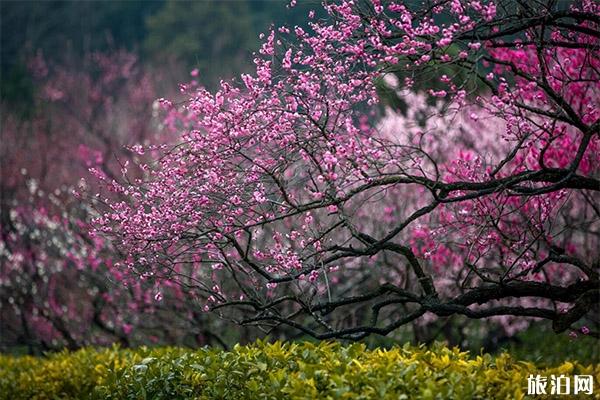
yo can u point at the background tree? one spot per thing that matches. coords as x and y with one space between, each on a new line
216 38
65 31
57 283
209 35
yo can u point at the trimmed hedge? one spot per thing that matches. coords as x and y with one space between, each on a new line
326 370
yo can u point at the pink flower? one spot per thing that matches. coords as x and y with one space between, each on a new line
287 63
585 330
127 328
259 197
573 335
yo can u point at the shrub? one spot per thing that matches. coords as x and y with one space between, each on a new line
327 370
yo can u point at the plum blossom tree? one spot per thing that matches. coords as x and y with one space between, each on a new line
290 200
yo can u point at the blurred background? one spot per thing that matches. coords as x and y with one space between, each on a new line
79 82
217 37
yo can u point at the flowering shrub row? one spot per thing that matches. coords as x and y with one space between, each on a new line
275 371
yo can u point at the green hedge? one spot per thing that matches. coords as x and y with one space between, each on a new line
274 371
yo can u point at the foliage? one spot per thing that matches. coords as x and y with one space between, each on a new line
273 371
194 32
64 30
190 31
538 345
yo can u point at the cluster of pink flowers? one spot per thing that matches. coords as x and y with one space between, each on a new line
291 169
